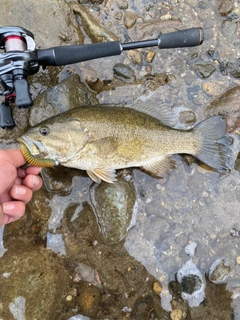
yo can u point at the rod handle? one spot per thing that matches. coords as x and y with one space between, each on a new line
63 55
183 38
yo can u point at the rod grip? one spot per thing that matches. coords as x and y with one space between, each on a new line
63 55
184 38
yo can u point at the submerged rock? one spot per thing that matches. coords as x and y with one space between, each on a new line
68 94
227 105
192 283
135 56
95 31
123 72
114 206
204 70
225 7
89 300
233 68
37 275
152 28
129 19
219 271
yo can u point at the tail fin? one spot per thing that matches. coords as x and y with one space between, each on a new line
215 150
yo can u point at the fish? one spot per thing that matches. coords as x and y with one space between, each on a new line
102 139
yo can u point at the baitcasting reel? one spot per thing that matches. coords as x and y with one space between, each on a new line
20 59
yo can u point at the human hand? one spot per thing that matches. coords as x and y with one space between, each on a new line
16 185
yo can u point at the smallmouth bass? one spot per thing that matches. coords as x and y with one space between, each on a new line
101 139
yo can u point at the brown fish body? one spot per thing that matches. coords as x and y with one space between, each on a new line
100 139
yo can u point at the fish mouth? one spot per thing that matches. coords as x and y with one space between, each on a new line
32 150
35 147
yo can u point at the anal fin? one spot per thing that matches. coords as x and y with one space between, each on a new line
107 175
160 168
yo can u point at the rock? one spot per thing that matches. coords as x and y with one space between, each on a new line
229 28
122 4
97 2
89 300
150 55
234 68
95 31
68 94
191 248
37 275
192 283
64 29
124 72
176 314
204 70
79 317
118 16
150 29
187 117
212 89
59 179
129 19
227 105
135 56
157 287
219 271
225 7
114 208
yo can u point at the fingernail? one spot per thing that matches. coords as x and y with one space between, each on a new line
35 180
20 190
8 207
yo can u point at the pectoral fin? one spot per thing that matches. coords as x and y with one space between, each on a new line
107 175
160 168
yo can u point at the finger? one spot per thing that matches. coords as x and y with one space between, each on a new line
33 182
11 211
18 181
20 192
14 156
21 173
33 170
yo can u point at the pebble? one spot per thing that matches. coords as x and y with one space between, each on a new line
219 271
89 300
150 55
191 248
204 70
176 314
225 7
212 89
69 297
157 287
187 117
238 260
123 72
122 4
118 16
135 56
129 19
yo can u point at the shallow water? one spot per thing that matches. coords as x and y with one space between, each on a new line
55 262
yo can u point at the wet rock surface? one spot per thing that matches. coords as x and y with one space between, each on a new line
192 205
115 208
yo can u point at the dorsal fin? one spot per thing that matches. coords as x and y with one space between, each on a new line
162 112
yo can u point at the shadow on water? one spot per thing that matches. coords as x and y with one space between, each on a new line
141 248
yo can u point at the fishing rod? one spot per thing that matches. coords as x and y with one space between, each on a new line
20 59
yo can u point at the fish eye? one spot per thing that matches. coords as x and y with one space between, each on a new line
44 131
